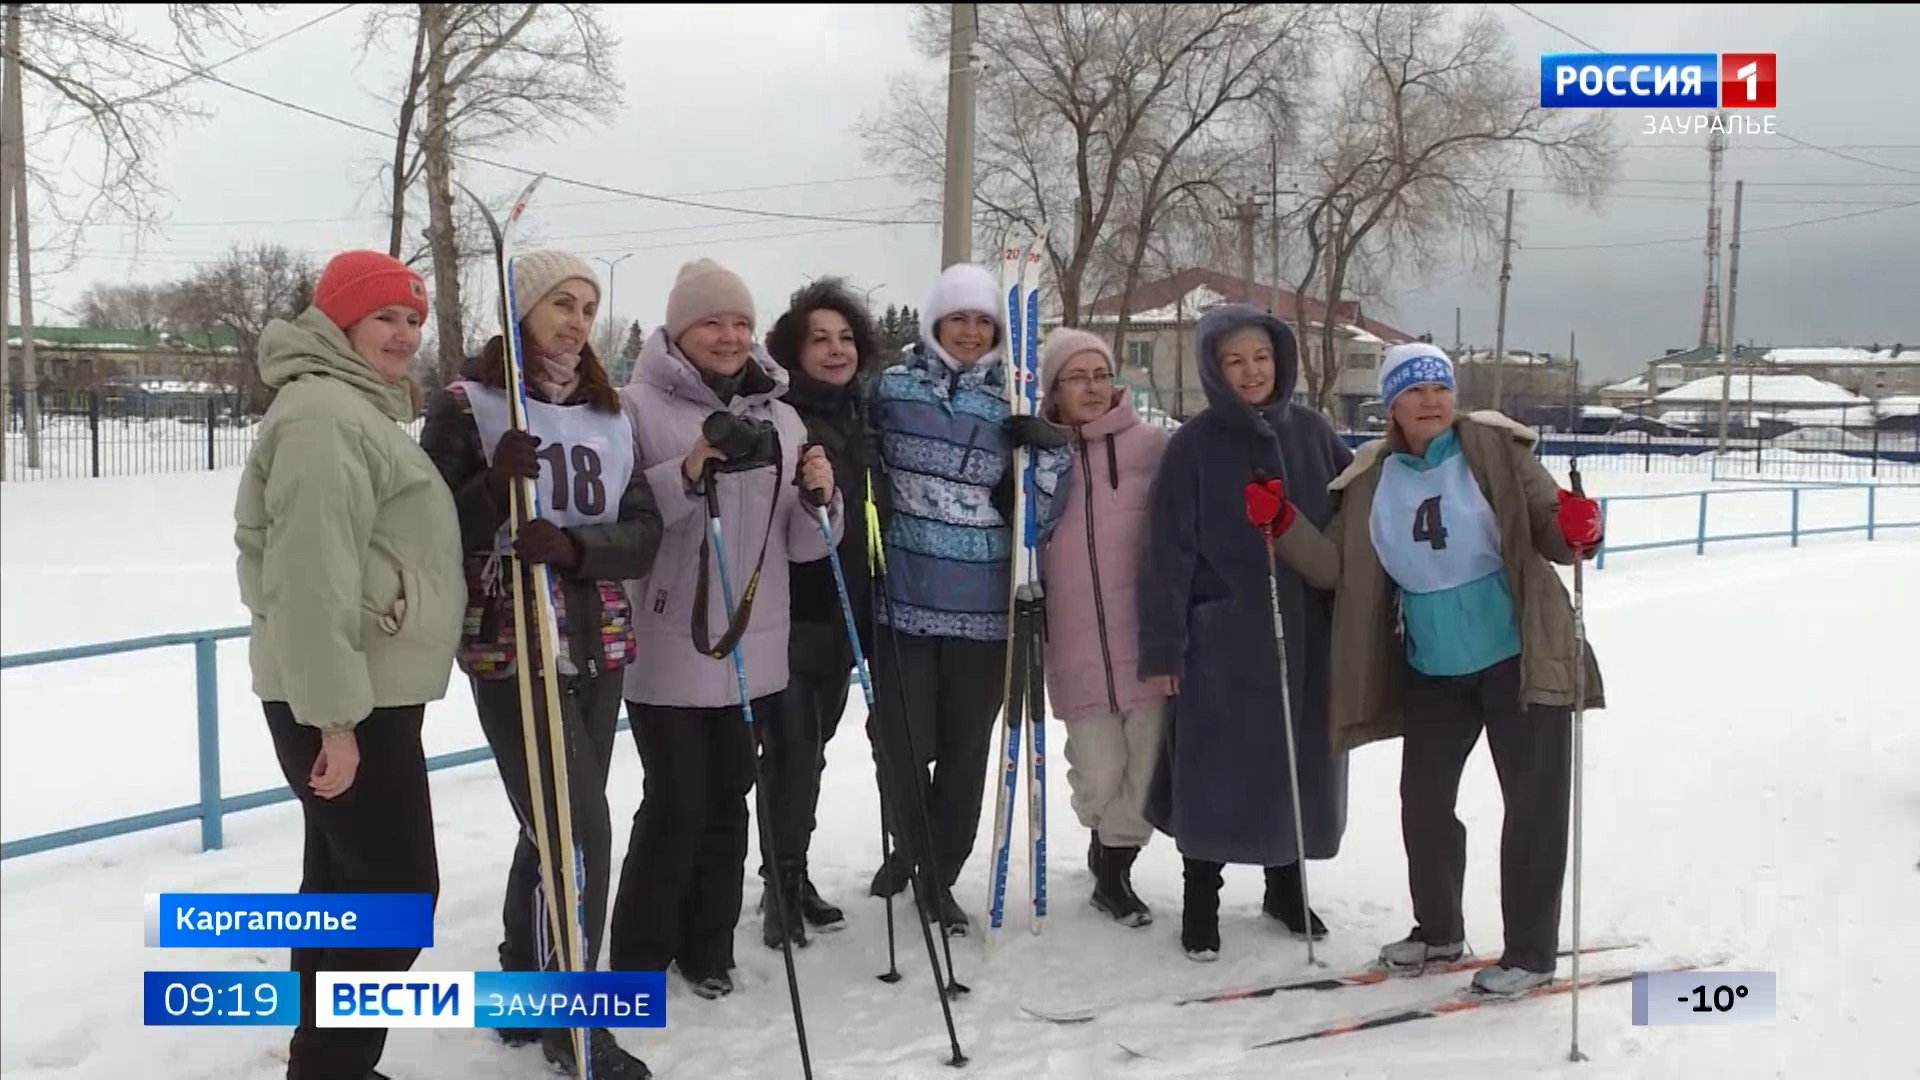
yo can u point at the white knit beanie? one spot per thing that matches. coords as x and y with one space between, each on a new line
963 287
538 273
1410 365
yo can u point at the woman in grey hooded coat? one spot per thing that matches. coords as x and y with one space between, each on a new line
1206 628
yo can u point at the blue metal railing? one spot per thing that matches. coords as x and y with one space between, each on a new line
213 806
1872 526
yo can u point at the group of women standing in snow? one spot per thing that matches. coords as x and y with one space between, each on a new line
1410 584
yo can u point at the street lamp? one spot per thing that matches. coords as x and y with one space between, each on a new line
612 345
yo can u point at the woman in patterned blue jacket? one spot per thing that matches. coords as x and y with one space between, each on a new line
944 492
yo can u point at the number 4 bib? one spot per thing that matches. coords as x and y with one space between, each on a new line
1433 530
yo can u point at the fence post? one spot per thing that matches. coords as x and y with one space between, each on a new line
212 408
206 678
93 430
1700 538
1870 490
1796 517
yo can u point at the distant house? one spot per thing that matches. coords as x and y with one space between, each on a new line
1159 346
1873 372
72 358
1768 404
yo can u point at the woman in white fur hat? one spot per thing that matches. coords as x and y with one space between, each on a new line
599 526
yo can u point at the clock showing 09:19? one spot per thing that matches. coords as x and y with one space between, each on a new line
222 998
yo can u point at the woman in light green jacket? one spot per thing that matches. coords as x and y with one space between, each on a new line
350 563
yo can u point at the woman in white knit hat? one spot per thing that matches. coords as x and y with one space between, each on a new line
598 527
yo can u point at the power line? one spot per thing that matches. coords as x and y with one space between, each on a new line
1830 151
183 80
1744 232
557 178
381 214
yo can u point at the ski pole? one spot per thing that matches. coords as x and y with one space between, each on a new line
866 689
921 873
759 771
1286 716
1579 708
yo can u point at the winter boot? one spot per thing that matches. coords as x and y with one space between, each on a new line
1283 901
774 931
1503 981
1412 952
609 1061
712 987
892 877
1200 911
817 912
1113 886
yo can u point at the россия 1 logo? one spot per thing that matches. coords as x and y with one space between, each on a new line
1659 81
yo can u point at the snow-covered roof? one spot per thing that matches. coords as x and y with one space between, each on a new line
1635 385
1838 355
1801 390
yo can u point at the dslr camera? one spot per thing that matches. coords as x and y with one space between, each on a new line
745 442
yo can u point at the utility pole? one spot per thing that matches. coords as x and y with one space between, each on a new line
1246 215
613 343
1573 399
1273 150
1733 280
14 125
11 44
956 221
1500 327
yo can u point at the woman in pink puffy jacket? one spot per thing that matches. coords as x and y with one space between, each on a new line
1113 716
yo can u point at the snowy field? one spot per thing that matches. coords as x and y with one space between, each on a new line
1753 791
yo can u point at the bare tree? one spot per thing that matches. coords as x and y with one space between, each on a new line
245 290
100 96
138 306
1097 117
1430 118
479 75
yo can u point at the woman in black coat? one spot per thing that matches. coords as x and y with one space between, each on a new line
826 341
1206 625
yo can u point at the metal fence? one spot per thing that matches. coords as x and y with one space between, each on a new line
213 805
95 433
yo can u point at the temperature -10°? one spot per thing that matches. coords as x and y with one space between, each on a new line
1703 997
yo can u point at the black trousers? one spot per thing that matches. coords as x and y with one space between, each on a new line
589 711
1531 749
377 836
795 760
952 689
679 894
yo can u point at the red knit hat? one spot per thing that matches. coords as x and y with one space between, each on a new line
356 284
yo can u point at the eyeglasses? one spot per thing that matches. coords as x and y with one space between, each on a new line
1079 380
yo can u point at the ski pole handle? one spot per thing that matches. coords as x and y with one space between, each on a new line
809 495
1573 477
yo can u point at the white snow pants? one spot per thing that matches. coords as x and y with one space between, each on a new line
1110 759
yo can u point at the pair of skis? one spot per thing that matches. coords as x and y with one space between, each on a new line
1369 975
1460 1001
1025 711
569 933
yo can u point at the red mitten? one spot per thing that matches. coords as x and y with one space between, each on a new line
1579 521
1267 506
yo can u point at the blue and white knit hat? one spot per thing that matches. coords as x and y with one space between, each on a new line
1412 365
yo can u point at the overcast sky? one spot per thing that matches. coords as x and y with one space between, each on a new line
756 108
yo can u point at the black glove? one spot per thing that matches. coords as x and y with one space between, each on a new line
1033 431
1001 497
514 458
541 541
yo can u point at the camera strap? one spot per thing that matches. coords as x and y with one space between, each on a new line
737 624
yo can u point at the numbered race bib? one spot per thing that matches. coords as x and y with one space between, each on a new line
1433 530
586 457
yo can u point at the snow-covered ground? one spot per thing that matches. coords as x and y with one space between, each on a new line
1751 790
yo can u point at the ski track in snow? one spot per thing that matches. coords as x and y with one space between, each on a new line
1751 790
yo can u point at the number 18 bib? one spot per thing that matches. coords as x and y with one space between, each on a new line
586 457
1433 530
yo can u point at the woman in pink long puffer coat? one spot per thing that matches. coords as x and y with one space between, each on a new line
1090 564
